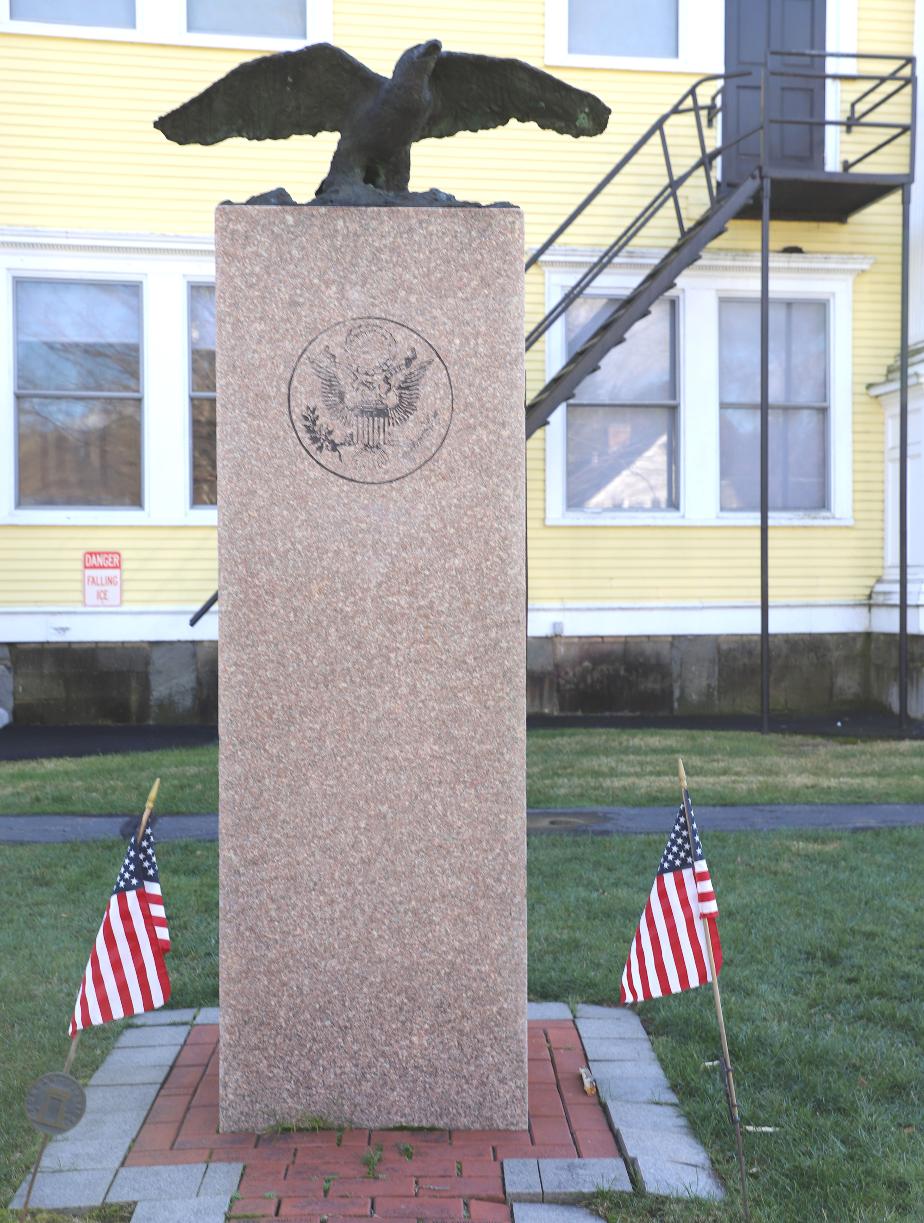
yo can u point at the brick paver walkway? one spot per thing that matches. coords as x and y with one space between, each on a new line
431 1174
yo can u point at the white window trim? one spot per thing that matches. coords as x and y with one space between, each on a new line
700 41
164 268
717 275
164 21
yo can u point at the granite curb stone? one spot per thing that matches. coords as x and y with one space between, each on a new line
621 1015
536 1212
157 1182
623 1049
674 1179
641 1107
683 1147
180 1210
642 1086
627 1028
574 1180
90 1154
85 1187
220 1180
162 1018
548 1010
521 1180
635 1117
159 1036
127 1075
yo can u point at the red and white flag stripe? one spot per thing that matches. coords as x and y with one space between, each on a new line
126 973
668 953
158 913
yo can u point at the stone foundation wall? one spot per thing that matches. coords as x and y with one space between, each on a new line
78 684
810 673
176 682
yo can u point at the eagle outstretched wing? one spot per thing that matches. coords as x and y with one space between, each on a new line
291 93
408 393
332 391
472 92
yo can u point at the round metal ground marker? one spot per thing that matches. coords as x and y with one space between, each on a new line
557 821
55 1103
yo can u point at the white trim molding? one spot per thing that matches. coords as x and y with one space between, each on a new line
163 266
164 21
720 274
22 625
693 619
886 591
700 42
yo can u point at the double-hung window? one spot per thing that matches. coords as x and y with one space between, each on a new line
657 36
202 393
279 24
621 433
269 19
616 27
799 404
111 14
78 393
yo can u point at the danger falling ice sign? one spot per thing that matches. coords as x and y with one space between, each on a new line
102 579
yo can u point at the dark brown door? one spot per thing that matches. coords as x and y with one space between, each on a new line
752 27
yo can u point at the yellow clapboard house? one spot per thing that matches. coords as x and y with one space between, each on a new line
644 481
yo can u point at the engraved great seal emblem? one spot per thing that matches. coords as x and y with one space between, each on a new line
370 400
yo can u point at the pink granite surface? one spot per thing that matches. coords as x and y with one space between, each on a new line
372 662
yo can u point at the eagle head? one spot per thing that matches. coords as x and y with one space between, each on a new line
419 60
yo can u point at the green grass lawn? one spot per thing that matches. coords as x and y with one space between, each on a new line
823 983
566 768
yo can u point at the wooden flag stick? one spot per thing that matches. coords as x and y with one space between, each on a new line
148 808
717 997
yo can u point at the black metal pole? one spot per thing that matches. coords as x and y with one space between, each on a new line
903 472
206 607
765 457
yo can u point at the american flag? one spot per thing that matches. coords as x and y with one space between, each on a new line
668 953
126 973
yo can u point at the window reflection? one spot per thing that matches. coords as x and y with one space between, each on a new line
799 363
202 386
620 429
78 393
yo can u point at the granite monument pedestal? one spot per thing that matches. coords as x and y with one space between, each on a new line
372 662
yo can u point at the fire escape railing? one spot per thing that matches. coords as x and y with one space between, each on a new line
704 114
882 88
901 78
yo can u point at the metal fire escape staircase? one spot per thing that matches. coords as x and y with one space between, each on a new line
662 277
869 108
864 87
693 238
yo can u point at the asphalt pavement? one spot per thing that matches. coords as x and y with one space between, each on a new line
586 821
18 742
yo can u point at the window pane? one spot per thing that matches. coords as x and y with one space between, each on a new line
270 19
202 336
798 458
79 451
798 352
203 442
73 336
120 13
807 345
623 27
640 370
621 458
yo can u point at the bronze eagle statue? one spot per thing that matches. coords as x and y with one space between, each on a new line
431 93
